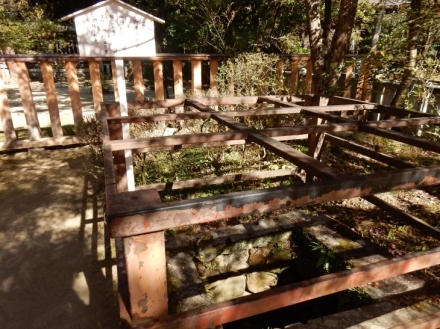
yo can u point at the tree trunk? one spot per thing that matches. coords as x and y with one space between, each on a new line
413 35
327 61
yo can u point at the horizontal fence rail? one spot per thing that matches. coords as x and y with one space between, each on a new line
167 74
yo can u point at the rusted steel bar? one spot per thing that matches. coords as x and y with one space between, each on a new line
296 157
431 321
338 108
191 146
75 99
130 216
127 144
338 100
164 103
30 113
400 113
229 100
408 218
191 183
146 276
401 137
5 113
95 78
381 157
273 100
236 309
375 124
159 117
138 80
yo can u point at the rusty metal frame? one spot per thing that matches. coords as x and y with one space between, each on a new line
139 218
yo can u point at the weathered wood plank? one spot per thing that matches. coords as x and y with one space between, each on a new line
5 113
75 98
30 113
95 78
51 99
348 80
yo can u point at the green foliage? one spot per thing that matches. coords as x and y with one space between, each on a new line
325 256
248 74
25 28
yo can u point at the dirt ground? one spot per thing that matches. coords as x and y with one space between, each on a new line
57 266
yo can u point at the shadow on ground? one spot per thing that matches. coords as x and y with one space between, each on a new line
56 259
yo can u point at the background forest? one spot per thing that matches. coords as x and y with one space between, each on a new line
399 38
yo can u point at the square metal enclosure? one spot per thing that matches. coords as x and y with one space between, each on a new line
139 218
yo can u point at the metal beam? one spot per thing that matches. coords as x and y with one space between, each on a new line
131 214
236 309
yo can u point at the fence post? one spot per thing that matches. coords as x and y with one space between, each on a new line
51 98
5 113
158 80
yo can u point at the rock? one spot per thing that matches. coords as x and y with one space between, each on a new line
259 256
232 262
261 281
229 288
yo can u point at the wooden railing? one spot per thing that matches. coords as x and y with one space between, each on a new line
65 67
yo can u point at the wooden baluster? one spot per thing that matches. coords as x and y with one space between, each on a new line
294 76
138 80
75 98
27 99
196 77
213 71
308 88
279 75
95 77
115 81
348 82
178 78
51 98
5 113
158 80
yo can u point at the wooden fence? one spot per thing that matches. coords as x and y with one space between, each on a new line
66 67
